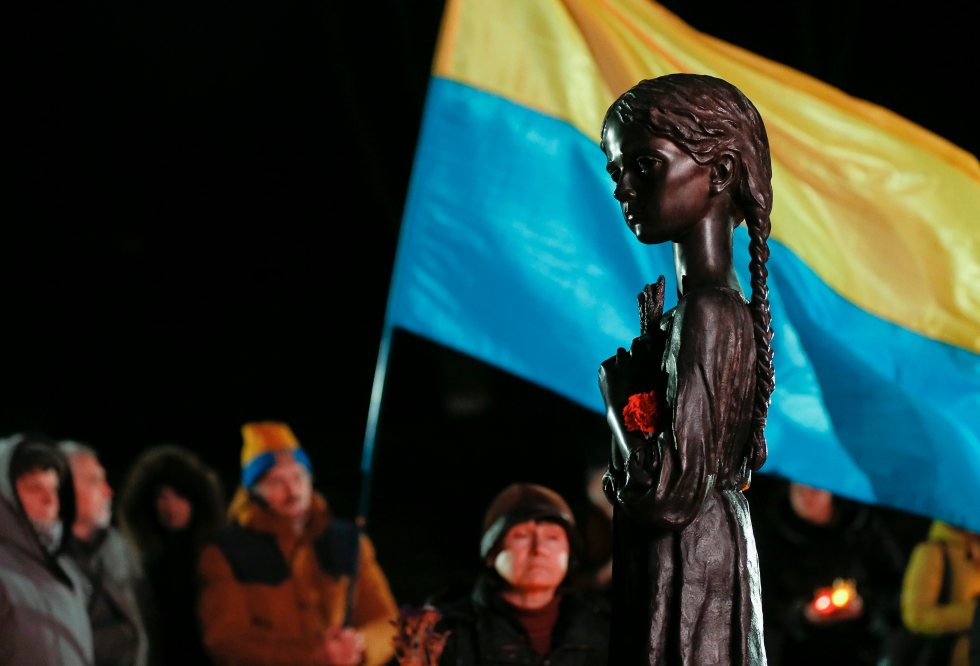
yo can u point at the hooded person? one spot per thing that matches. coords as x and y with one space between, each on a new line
521 609
43 614
275 580
170 504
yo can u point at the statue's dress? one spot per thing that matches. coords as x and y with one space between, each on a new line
685 571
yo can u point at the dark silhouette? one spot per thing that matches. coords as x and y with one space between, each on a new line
170 505
808 539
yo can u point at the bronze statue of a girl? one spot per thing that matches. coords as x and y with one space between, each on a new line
687 403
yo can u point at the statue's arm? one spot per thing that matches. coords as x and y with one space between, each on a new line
664 481
622 374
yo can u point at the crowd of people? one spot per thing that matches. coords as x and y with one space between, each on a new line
170 570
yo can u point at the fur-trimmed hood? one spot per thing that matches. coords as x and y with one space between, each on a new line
187 474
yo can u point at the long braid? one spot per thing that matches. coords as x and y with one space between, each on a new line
758 228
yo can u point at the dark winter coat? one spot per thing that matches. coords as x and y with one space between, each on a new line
43 617
485 633
118 598
169 559
797 557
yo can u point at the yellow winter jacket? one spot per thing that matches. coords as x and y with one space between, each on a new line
268 594
921 611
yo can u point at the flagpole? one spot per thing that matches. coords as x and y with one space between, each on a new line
374 410
367 457
377 391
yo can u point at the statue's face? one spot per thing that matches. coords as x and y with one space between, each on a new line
660 188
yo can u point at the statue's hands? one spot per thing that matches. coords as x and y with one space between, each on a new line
621 376
633 371
615 378
628 372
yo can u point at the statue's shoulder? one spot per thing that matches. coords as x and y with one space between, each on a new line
713 297
711 305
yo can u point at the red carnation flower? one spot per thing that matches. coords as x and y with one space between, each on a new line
641 413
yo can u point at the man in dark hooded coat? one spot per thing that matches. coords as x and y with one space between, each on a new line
43 617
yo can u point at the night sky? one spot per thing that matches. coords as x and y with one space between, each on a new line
202 220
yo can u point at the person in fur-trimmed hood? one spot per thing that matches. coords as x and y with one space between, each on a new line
43 614
274 583
170 504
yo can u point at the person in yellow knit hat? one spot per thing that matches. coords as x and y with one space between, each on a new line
275 581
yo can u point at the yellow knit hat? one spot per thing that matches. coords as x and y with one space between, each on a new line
263 444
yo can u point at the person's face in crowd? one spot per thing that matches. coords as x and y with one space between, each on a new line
38 494
93 496
812 504
174 511
287 488
533 556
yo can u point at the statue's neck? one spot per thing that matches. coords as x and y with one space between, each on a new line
703 257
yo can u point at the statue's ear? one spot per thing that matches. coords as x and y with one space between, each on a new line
724 171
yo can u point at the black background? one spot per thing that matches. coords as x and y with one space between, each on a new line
202 218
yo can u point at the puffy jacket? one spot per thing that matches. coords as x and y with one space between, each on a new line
268 594
43 614
484 633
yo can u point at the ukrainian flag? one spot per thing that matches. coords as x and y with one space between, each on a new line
513 249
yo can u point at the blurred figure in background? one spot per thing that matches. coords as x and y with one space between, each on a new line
520 611
595 525
831 574
170 505
118 594
43 615
275 582
940 591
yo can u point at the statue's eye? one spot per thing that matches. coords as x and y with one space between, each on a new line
614 174
646 163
